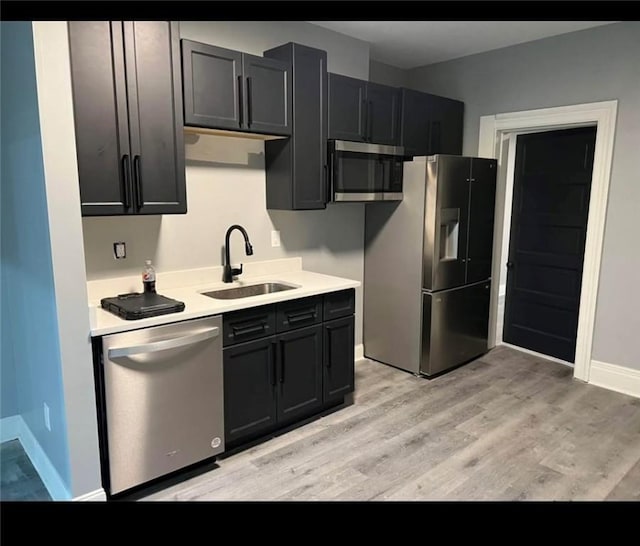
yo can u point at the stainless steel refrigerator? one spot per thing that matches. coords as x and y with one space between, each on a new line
427 270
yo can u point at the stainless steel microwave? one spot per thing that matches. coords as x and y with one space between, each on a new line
359 171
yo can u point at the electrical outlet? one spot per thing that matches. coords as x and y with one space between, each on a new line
47 420
275 238
119 250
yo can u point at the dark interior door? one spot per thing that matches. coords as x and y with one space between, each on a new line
551 193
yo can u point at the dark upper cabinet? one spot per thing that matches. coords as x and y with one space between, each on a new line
383 110
414 122
363 111
249 389
128 117
296 168
212 84
268 92
430 124
299 373
347 108
445 120
230 90
338 358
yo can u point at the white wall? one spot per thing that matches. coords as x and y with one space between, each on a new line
592 65
53 75
388 74
226 185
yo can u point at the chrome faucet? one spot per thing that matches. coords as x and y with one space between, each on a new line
229 272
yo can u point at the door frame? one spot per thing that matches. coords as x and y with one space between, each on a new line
495 137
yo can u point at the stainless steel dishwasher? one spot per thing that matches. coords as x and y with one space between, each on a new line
163 399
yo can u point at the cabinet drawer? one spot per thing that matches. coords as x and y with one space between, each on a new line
339 304
298 313
248 324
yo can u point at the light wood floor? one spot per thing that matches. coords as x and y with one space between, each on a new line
508 426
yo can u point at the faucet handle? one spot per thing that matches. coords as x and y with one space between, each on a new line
236 271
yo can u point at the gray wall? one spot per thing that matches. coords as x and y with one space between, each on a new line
226 185
29 319
587 66
387 74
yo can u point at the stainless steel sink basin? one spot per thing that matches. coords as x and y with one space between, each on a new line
249 290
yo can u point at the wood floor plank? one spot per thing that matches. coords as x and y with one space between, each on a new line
507 426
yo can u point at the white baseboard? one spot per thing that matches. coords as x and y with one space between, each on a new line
10 428
359 352
18 428
97 495
615 378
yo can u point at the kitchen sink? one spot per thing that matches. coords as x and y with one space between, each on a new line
249 290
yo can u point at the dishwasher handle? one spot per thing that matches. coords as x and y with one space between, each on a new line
163 345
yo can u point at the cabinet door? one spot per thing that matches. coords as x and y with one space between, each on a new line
299 373
414 122
268 95
296 167
482 197
338 357
347 108
383 111
101 117
155 116
445 125
249 389
212 81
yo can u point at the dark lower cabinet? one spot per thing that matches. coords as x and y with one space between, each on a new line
278 380
338 358
299 373
127 102
249 389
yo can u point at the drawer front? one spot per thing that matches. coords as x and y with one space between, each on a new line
339 304
298 313
248 324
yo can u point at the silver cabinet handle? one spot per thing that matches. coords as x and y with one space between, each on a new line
163 345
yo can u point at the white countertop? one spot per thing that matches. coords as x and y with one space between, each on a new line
197 305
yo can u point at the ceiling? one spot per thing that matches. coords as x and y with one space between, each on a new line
408 44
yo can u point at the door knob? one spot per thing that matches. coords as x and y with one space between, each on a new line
509 265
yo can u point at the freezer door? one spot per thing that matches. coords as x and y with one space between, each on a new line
163 397
446 217
481 216
455 326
